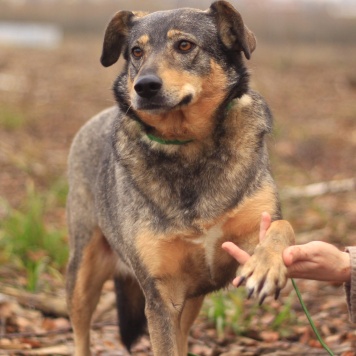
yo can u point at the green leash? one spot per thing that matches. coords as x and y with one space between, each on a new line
316 332
323 344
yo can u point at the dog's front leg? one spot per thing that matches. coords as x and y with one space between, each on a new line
168 275
189 314
169 318
87 270
265 271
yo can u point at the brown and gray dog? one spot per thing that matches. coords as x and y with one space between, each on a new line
159 182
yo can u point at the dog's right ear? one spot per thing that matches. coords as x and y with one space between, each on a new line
115 37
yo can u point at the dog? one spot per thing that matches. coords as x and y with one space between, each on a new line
179 166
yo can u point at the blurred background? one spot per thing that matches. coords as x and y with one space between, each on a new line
51 83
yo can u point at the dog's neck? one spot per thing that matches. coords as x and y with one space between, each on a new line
163 141
181 126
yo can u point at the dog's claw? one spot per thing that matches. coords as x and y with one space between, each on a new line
276 294
262 299
241 281
250 293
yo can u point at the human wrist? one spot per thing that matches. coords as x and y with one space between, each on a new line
345 268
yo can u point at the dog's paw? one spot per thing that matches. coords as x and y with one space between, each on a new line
264 273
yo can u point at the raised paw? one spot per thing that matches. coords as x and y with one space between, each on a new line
265 273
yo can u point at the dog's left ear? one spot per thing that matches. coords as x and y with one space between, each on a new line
232 30
115 37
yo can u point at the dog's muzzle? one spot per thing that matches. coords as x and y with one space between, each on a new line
148 86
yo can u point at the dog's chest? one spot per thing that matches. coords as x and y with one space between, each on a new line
196 255
229 228
209 241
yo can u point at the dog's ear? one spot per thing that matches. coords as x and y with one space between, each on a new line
115 37
232 30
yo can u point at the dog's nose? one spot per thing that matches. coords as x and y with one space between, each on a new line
148 86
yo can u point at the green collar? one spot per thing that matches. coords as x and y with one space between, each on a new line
167 142
229 105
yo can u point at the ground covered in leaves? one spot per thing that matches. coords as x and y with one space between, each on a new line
29 331
47 95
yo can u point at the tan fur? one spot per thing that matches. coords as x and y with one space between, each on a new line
140 13
171 34
143 40
175 35
98 264
244 221
175 265
169 253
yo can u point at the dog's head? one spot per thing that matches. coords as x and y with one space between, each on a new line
178 60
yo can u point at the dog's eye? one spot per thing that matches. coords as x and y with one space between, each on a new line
185 46
137 52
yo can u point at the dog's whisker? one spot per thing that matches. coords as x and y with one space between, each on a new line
128 109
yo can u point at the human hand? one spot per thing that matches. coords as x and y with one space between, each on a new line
315 260
319 261
242 256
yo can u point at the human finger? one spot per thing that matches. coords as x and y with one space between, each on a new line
264 225
238 281
295 253
240 255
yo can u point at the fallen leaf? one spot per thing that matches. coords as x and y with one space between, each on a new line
269 336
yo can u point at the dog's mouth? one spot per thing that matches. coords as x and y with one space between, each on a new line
159 105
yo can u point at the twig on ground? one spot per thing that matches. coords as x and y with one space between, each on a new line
48 304
317 189
94 326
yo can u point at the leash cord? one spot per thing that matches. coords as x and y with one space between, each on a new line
311 322
323 344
